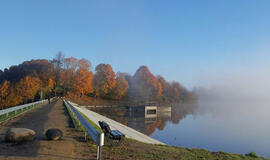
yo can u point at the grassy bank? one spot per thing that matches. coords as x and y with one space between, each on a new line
130 150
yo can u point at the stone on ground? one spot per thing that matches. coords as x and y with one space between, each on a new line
17 135
54 134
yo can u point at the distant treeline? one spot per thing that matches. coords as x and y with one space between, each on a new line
38 79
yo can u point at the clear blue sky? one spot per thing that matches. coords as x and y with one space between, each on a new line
180 40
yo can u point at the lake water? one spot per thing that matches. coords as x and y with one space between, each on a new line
231 127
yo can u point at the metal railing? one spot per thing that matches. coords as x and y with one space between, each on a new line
97 137
8 113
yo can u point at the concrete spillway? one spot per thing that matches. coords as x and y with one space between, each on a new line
129 132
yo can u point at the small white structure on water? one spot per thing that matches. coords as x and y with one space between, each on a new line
150 111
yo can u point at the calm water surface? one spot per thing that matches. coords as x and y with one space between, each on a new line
231 127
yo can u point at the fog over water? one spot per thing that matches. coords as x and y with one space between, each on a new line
234 109
240 91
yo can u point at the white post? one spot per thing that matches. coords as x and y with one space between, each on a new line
100 143
85 136
99 153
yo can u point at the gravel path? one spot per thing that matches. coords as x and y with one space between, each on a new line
53 115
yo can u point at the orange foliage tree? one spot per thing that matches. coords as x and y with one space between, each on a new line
76 76
83 81
23 82
104 80
4 87
70 67
28 87
13 98
48 86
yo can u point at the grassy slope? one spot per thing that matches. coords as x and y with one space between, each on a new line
137 150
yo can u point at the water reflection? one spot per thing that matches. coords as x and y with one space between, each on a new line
147 119
214 125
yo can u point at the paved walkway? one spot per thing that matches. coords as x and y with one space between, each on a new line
129 132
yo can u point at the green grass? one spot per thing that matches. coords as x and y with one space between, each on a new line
136 150
2 118
77 122
91 122
132 140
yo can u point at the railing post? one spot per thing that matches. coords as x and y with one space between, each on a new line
99 153
85 136
100 143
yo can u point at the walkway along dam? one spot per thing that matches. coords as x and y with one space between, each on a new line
72 145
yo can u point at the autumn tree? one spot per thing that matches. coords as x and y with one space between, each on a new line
76 76
104 80
166 89
84 64
68 75
83 81
144 85
44 71
48 86
13 98
83 77
177 92
40 68
121 87
58 62
4 87
28 87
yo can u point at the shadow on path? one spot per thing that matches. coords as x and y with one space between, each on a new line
35 120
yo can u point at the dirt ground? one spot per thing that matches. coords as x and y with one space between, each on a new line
53 115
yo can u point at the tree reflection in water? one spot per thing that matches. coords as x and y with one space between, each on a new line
137 118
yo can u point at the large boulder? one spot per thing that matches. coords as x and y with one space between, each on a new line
54 134
17 135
